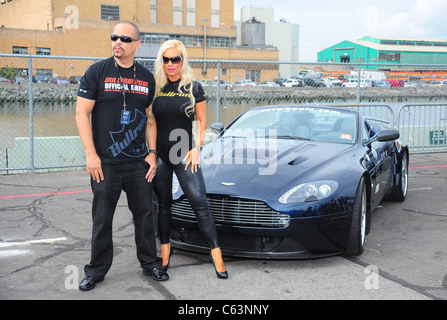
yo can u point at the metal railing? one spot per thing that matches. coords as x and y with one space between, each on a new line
423 127
37 109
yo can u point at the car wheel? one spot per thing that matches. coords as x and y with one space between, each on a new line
357 233
400 191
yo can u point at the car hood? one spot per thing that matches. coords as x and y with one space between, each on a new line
257 169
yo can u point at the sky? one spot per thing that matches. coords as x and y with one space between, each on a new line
324 23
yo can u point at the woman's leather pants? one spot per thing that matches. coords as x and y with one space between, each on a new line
193 186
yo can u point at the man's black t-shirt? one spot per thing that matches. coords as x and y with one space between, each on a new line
116 142
169 112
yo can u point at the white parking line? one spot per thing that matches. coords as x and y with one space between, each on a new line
419 189
10 253
11 244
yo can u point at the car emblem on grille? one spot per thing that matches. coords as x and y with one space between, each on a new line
228 183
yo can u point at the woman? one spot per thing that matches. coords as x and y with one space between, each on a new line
178 101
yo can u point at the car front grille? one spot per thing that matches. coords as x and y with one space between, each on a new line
235 211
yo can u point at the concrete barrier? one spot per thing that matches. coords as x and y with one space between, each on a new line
50 153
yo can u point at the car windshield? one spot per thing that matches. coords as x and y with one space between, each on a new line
296 123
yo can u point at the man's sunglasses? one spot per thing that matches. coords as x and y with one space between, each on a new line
174 60
122 38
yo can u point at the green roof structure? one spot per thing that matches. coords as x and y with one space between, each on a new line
386 50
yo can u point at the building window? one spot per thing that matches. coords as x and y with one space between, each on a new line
386 56
188 40
44 72
109 12
43 51
154 11
215 13
254 75
19 50
388 42
191 12
178 12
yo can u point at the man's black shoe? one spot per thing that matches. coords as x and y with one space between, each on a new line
157 273
89 283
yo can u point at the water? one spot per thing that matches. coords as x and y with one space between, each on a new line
49 120
58 119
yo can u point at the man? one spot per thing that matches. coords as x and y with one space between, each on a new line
116 93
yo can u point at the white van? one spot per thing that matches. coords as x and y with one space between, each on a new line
353 83
291 83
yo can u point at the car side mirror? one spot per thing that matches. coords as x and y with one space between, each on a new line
383 136
387 135
217 127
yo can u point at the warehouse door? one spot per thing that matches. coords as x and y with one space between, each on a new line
344 55
345 59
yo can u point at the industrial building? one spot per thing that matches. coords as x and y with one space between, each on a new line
386 50
83 28
258 26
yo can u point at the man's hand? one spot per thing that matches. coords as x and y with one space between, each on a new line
94 168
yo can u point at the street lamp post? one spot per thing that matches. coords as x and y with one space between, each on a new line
205 20
229 55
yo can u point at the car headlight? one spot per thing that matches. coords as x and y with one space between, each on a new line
308 192
175 184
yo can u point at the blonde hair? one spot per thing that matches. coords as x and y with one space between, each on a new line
186 73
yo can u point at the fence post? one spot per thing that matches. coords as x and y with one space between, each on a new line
358 84
31 112
218 93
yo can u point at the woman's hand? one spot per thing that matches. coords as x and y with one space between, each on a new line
192 158
152 160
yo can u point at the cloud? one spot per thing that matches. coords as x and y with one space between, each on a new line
422 19
372 21
324 23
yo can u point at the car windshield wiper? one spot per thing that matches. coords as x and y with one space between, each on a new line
294 138
237 137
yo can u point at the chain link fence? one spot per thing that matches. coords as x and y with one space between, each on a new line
38 100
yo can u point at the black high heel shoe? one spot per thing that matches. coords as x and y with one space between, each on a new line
220 275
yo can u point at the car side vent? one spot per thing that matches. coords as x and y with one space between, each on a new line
298 161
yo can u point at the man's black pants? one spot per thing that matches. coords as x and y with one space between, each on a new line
130 178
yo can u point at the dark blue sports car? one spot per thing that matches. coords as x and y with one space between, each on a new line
287 182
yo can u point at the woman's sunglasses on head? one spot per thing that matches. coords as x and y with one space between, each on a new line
174 60
122 38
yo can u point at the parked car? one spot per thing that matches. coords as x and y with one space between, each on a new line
246 83
435 83
396 82
74 79
19 80
353 83
293 83
205 82
314 82
304 74
281 81
333 81
3 79
305 188
269 84
383 84
60 80
41 79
